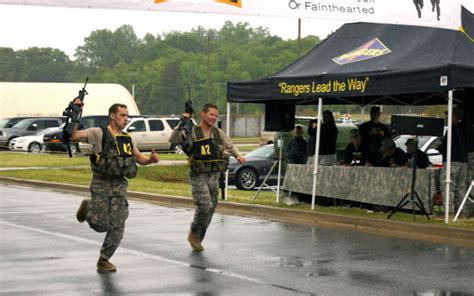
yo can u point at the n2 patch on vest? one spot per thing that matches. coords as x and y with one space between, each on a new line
124 145
205 149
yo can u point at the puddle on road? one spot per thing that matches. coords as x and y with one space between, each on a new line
368 279
322 272
292 262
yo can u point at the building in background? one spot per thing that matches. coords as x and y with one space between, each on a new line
50 99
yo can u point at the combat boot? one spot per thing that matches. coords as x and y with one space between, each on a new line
103 266
81 211
194 242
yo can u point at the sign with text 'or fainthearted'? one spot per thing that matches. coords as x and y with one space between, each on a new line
434 13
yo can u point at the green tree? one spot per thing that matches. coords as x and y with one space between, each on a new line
104 48
10 68
164 67
44 65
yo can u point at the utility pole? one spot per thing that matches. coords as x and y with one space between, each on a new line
299 37
218 93
209 65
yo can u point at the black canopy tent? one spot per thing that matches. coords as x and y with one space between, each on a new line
365 63
394 64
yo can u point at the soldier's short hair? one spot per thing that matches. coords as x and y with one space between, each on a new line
208 106
114 108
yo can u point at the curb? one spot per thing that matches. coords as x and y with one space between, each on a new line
431 233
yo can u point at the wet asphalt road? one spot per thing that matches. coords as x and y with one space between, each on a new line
44 250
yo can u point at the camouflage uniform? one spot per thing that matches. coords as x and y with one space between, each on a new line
205 189
107 209
459 167
470 169
204 176
458 185
469 206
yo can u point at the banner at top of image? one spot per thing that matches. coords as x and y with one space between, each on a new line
430 13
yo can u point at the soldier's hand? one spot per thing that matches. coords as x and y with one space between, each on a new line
241 159
78 102
154 157
186 115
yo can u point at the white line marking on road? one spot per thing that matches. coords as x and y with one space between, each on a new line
135 252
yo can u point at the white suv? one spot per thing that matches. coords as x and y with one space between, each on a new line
152 132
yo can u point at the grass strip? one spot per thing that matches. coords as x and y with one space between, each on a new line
174 181
16 160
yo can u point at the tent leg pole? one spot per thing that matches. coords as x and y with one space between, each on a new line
316 153
448 156
280 144
227 128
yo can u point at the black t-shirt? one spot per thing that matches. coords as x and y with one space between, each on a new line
353 156
398 159
459 146
297 151
422 160
327 144
372 136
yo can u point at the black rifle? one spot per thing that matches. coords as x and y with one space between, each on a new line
187 124
222 185
73 114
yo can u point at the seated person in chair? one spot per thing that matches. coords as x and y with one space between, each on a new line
422 160
392 155
353 155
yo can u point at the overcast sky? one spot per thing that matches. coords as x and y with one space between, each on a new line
65 28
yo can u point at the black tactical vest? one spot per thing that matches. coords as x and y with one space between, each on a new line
116 158
206 154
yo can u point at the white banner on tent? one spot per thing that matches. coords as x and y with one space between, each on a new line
433 13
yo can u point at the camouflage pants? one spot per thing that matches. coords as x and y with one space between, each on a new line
458 186
470 169
205 188
107 211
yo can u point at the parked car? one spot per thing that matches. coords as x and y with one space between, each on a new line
427 144
152 133
88 122
27 127
11 121
31 143
52 141
253 172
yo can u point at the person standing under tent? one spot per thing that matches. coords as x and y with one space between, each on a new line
373 132
297 148
328 138
459 158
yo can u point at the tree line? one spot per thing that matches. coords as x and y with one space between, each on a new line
164 69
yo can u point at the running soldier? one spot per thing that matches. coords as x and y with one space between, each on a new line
114 160
208 151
